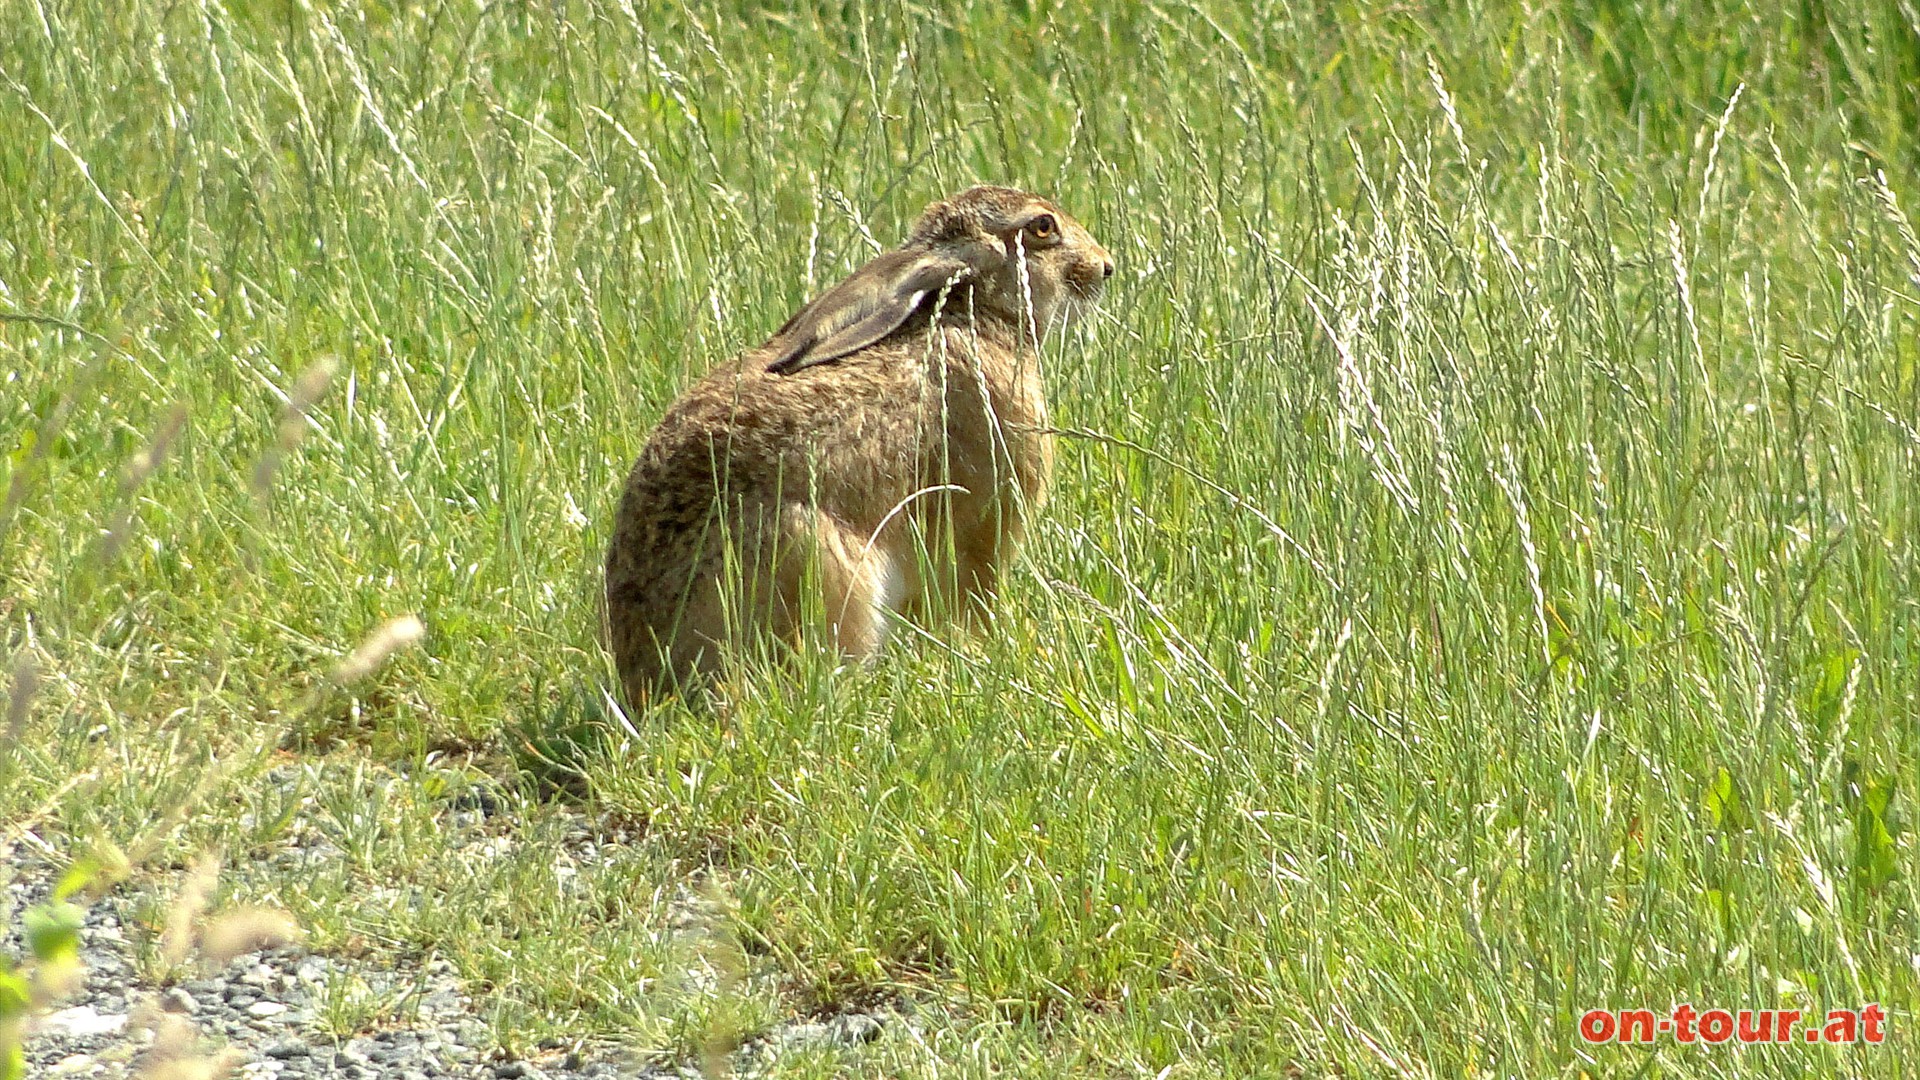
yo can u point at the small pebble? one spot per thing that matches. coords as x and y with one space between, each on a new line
262 1009
478 799
855 1028
176 1000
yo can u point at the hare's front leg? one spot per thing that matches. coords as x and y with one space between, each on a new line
963 548
857 581
978 573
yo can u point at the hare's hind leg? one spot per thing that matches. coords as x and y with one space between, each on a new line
669 641
857 581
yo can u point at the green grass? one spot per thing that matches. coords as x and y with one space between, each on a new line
1485 586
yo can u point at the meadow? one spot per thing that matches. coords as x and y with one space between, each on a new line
1481 584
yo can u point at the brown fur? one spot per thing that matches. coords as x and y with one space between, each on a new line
875 455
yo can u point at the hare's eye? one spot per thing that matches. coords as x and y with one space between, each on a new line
1043 227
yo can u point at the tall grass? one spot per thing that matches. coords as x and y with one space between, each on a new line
1479 586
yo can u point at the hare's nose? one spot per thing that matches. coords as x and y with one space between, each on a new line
1106 268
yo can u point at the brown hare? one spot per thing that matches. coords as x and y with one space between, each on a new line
880 453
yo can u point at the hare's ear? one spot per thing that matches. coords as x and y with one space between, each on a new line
861 310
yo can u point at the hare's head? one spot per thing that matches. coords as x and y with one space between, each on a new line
1028 259
999 253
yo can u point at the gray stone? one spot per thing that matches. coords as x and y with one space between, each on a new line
83 1021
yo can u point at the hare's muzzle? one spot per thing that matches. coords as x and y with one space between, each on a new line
1090 273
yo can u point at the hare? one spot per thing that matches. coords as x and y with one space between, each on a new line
879 454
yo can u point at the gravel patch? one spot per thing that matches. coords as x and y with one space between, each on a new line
264 1010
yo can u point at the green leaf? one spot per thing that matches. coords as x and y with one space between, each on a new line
1723 802
15 994
78 877
1875 852
53 930
1830 691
